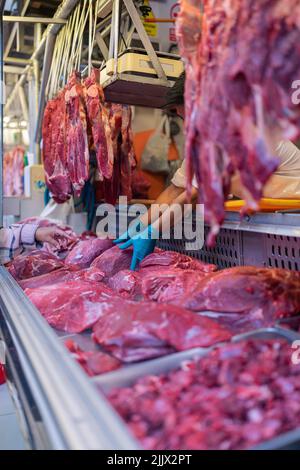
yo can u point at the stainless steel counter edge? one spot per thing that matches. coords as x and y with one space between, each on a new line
75 415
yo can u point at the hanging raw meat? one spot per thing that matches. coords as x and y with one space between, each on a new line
241 60
54 150
98 118
13 172
77 150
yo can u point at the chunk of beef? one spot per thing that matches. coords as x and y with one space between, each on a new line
35 263
112 261
265 293
93 362
72 306
134 331
70 273
85 251
175 260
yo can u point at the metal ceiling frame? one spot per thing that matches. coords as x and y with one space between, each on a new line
62 12
14 30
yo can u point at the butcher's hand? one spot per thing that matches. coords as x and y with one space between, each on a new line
53 235
143 244
135 228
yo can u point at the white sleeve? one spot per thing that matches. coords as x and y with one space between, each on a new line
289 155
179 179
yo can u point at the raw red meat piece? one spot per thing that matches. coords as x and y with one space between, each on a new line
72 306
249 61
176 260
13 172
127 154
54 277
93 362
2 374
87 235
54 153
177 282
124 157
85 251
126 283
112 261
235 397
77 150
264 292
70 273
139 185
98 117
35 263
134 331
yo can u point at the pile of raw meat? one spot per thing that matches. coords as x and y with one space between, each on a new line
241 59
13 172
235 397
168 305
78 122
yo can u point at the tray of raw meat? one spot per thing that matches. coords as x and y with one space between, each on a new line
239 395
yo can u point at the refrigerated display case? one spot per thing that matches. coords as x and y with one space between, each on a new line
58 405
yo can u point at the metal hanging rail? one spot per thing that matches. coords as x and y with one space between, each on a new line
33 19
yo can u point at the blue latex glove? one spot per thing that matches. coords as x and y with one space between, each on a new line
143 244
131 232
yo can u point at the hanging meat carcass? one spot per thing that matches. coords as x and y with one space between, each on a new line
98 117
77 150
241 60
54 150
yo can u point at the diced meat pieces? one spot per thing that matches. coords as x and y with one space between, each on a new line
235 397
72 306
85 251
34 264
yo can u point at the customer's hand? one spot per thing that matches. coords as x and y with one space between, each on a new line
53 235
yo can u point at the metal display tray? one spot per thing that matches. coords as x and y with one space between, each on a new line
126 377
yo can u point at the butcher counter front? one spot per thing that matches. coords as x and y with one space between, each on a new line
112 327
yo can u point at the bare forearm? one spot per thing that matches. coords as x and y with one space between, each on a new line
167 197
173 213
